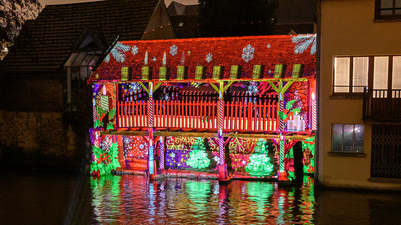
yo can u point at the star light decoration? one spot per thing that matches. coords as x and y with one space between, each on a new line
209 57
247 53
173 50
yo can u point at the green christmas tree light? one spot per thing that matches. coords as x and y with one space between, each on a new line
198 156
259 161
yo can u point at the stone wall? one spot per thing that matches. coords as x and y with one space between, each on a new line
40 139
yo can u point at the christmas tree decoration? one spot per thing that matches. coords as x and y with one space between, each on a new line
259 165
198 156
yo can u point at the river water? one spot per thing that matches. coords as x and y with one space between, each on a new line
47 198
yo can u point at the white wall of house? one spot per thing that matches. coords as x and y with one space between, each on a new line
348 28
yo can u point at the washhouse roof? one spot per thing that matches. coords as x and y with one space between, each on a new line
245 52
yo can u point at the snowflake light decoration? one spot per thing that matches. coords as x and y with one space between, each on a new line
302 42
172 155
173 50
134 50
217 159
209 57
118 52
253 88
247 53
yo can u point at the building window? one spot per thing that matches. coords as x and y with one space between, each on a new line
78 69
350 74
381 74
348 138
388 9
181 24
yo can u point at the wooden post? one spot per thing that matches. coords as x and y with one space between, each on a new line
220 124
161 153
120 145
282 139
150 129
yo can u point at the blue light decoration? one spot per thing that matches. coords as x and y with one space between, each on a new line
150 159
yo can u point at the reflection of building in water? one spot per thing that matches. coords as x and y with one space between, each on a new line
126 198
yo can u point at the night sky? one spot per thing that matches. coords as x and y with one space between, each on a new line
53 2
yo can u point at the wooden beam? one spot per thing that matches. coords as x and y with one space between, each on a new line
274 87
184 134
126 132
202 81
214 87
268 136
204 134
287 85
144 87
227 86
157 86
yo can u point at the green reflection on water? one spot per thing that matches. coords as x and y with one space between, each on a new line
106 189
260 192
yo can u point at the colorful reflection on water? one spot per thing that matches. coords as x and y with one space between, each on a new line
130 199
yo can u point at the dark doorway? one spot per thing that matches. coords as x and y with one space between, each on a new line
386 151
298 165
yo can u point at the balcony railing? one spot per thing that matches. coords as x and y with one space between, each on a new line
238 115
382 105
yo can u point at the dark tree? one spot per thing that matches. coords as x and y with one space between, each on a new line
13 14
219 18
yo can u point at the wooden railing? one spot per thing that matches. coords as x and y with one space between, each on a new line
382 105
250 116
